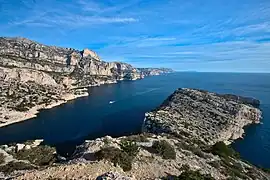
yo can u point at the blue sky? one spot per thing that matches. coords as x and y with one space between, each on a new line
194 35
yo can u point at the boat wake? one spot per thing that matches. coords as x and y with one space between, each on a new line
136 94
145 92
111 102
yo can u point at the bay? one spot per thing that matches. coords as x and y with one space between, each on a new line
93 116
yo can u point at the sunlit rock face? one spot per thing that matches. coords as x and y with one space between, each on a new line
210 117
33 75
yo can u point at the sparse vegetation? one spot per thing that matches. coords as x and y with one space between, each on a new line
129 147
194 175
190 147
188 174
12 166
2 158
215 164
164 149
138 138
222 150
40 155
267 170
116 156
122 157
232 168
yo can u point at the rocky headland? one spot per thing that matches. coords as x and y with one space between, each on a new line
210 117
34 76
184 138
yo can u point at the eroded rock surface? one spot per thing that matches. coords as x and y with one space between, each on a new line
207 116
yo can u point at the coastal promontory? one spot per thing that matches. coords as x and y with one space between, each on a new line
208 116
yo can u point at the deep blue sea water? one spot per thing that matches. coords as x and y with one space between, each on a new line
93 116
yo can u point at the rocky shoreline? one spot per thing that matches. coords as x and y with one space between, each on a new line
182 139
34 76
211 117
17 116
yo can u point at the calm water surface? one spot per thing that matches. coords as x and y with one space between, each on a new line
93 116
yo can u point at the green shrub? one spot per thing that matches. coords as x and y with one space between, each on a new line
138 138
188 174
12 166
40 155
164 149
222 150
129 147
194 175
123 160
116 156
2 158
232 168
107 153
267 170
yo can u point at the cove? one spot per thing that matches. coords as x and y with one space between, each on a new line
93 116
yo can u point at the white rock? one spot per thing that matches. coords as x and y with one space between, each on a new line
27 147
36 143
19 146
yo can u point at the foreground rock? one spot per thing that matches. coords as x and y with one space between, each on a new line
34 76
173 156
210 117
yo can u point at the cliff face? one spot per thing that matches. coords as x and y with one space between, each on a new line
27 64
207 116
67 64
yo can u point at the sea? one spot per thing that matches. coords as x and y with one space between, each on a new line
94 116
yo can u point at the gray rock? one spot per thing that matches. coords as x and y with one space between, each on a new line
113 176
207 116
19 147
27 147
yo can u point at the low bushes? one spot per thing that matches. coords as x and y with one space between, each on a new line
194 175
12 166
138 138
164 149
222 150
188 174
122 157
130 148
116 156
2 158
40 155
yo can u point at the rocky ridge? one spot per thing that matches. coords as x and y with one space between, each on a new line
210 117
34 76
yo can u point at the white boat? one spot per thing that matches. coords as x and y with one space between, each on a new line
111 102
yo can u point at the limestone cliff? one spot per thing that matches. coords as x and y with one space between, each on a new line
57 72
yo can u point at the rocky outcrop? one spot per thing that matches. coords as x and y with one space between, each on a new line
33 75
207 116
148 162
